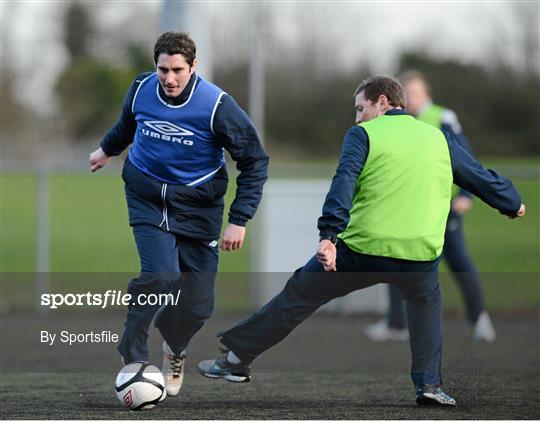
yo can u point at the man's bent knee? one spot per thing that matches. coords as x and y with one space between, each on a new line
196 313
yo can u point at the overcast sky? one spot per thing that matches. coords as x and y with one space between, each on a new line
357 32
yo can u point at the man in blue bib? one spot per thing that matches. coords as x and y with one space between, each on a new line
175 178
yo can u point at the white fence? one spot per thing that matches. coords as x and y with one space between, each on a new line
286 237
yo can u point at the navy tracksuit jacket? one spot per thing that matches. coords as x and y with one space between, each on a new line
197 210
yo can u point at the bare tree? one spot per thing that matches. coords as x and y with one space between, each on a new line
79 30
527 19
515 45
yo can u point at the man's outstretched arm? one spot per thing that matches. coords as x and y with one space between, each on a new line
495 190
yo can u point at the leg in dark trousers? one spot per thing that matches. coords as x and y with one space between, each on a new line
396 311
307 290
159 271
458 259
311 287
420 288
198 264
456 254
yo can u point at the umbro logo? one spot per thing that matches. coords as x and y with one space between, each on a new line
167 128
167 131
128 400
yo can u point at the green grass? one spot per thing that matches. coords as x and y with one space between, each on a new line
89 228
499 244
18 223
505 252
89 232
89 224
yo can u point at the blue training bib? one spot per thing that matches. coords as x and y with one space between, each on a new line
176 143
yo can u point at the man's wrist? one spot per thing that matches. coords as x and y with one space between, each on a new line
238 221
331 237
105 149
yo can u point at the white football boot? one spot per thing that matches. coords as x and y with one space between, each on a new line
483 329
382 332
172 370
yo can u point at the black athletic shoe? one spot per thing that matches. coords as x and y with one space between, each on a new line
222 368
433 395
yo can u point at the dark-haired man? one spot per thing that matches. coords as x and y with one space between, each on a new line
394 325
383 221
175 179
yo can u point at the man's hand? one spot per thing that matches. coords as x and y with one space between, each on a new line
233 237
326 255
461 204
98 159
520 213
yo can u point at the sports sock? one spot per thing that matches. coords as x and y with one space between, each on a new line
232 358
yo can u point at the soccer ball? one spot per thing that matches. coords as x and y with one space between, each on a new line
140 386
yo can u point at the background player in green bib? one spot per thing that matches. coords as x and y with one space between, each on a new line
394 325
388 203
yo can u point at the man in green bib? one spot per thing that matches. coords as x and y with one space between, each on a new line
383 220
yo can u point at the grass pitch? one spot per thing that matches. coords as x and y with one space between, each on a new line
324 370
89 233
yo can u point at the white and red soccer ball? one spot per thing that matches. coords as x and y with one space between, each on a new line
140 386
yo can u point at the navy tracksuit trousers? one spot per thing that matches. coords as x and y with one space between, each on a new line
311 287
458 259
169 262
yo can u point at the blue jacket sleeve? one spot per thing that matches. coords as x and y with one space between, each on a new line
121 134
335 212
495 190
233 126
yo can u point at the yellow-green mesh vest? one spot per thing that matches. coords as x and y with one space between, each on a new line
402 196
432 114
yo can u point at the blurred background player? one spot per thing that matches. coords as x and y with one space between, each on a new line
394 325
175 179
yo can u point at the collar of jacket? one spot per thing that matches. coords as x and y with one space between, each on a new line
396 112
